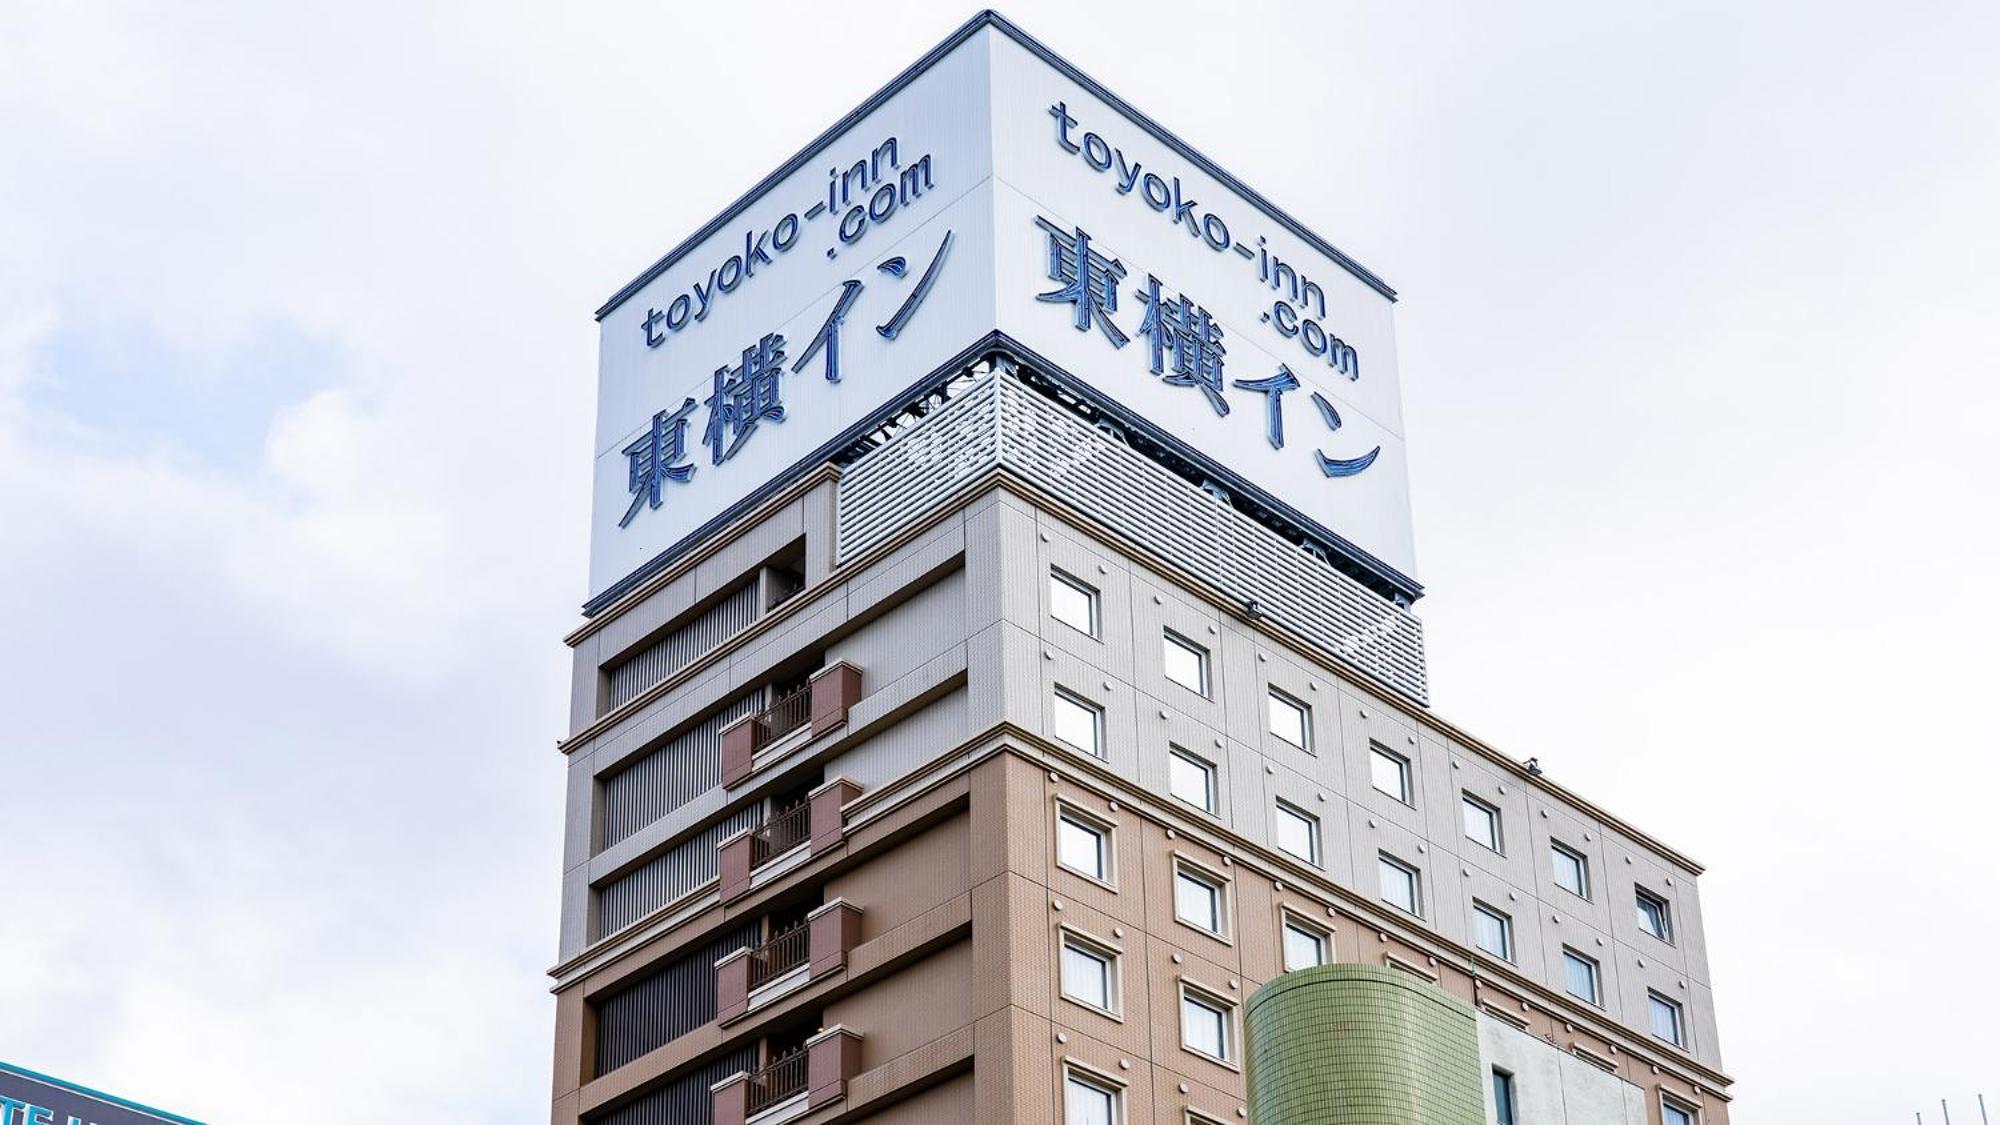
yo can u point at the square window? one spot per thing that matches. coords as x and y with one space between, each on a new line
1073 602
1655 916
1087 974
1482 823
1205 1026
1580 976
1186 663
1198 900
1666 1016
1402 887
1083 847
1088 1101
1503 1098
1572 870
1191 779
1492 931
1390 773
1297 833
1288 719
1305 945
1079 722
1674 1113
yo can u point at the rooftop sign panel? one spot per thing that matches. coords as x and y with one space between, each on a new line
993 195
28 1098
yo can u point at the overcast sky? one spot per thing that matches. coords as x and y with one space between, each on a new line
1698 340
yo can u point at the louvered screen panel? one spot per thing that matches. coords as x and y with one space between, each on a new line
665 1005
672 875
678 649
670 776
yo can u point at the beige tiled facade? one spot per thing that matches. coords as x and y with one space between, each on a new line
930 802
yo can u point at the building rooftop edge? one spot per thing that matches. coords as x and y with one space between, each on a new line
984 19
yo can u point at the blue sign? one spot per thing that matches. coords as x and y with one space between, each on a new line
28 1098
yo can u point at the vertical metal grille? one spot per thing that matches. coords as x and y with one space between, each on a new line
686 1100
675 773
1005 423
673 874
665 1005
678 649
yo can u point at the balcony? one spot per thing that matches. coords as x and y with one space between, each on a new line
789 960
796 834
819 705
792 1083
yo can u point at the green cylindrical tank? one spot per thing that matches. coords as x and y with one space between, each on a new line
1361 1045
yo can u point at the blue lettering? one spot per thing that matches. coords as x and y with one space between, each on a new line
1092 144
1155 190
779 238
1060 111
1286 320
1127 174
853 224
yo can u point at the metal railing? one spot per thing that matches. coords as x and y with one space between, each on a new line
780 834
786 950
789 710
999 422
782 1078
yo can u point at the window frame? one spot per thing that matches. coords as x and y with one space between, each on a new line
1092 598
1106 853
1641 898
1062 695
1506 921
1505 1108
1290 923
1106 955
1098 1082
1219 887
1406 776
1210 785
1558 849
1675 1010
1170 639
1496 839
1596 971
1669 1104
1416 878
1224 1010
1277 696
1283 808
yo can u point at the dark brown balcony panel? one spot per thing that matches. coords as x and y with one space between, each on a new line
835 1057
836 688
828 824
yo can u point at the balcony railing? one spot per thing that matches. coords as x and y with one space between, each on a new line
782 1079
780 834
786 950
789 710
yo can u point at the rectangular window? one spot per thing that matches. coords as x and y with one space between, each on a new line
1083 847
1186 663
1079 722
1088 974
1305 945
1503 1098
1089 1101
1205 1025
1580 976
1191 779
1390 773
1197 899
1666 1015
1289 719
1674 1113
1572 870
1402 887
1492 931
1482 823
1655 916
1073 602
1297 832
